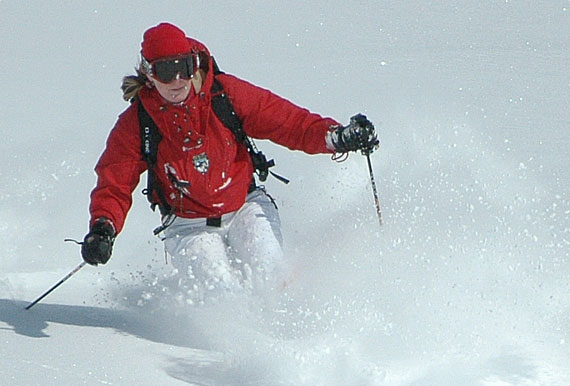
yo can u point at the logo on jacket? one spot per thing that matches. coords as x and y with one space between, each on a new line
202 163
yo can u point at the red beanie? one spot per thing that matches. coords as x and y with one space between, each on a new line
164 40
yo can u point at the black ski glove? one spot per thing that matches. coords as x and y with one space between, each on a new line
98 243
359 134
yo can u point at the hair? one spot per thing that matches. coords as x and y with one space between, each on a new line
132 84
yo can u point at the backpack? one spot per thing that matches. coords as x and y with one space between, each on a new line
224 110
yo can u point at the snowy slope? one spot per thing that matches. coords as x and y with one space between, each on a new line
465 284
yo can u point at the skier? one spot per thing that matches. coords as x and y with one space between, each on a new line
215 219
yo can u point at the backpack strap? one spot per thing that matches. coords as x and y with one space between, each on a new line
224 110
151 138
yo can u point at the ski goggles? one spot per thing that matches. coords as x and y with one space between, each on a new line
166 70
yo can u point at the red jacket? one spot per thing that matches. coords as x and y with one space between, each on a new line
192 134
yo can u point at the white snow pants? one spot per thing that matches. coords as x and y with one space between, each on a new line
245 252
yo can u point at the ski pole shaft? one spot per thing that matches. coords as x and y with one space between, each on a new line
56 285
374 191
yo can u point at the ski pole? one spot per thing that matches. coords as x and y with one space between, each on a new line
374 191
56 285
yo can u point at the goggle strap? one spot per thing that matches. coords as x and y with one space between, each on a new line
146 65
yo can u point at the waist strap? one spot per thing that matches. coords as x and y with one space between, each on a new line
214 222
217 221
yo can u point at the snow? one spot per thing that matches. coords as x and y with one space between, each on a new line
466 283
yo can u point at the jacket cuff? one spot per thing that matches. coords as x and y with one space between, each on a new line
104 221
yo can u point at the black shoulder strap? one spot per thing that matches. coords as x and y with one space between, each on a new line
151 138
224 110
150 135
